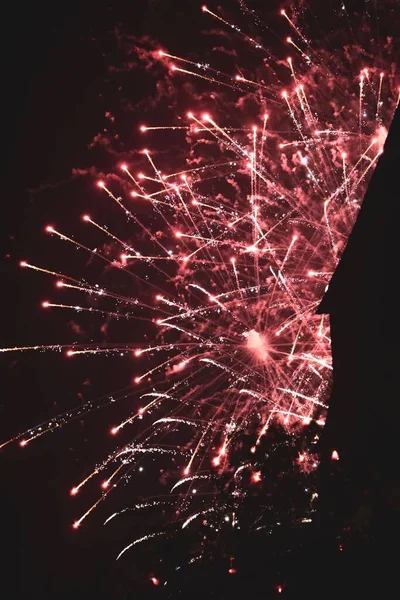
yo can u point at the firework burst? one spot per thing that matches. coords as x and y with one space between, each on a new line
228 259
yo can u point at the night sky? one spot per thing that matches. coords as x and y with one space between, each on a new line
57 61
57 91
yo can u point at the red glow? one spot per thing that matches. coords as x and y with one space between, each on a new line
232 571
279 589
155 581
242 187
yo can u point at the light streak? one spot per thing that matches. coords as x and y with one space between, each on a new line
231 257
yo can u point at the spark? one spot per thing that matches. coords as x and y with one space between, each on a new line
195 516
229 256
144 538
186 479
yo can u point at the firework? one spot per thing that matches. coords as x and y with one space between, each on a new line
228 258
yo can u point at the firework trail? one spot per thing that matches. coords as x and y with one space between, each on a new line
228 259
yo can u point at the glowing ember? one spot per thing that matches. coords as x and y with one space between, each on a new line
226 261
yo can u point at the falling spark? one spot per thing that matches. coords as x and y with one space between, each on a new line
226 266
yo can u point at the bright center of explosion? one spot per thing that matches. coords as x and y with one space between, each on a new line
257 344
380 137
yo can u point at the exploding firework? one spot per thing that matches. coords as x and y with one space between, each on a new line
228 257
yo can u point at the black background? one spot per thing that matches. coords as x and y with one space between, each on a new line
56 58
55 61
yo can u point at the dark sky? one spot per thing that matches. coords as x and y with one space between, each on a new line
55 64
56 93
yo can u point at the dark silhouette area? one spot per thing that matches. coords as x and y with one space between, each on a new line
364 409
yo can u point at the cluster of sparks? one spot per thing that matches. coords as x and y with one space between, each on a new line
241 254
